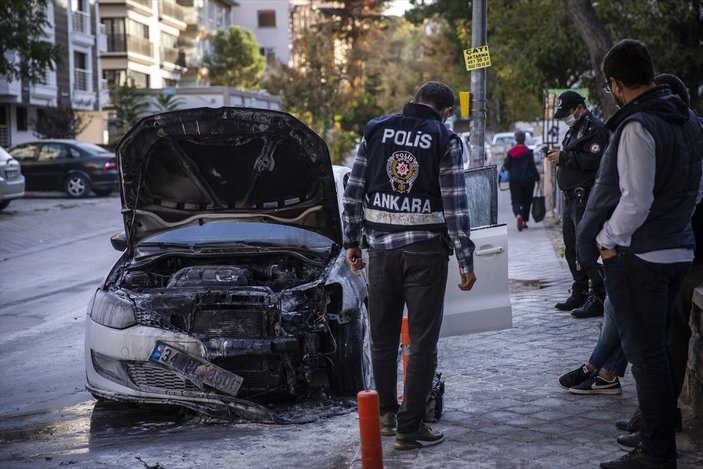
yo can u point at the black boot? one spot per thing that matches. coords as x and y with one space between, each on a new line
632 424
575 300
592 308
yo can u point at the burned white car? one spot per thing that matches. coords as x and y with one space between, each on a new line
232 287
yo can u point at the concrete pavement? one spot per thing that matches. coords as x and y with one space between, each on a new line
503 407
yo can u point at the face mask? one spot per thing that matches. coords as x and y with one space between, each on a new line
570 120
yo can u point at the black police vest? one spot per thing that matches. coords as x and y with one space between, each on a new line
403 153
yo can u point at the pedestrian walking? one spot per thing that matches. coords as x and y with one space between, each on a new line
639 214
577 163
408 192
520 163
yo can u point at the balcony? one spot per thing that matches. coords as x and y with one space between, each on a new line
81 22
82 80
128 43
172 13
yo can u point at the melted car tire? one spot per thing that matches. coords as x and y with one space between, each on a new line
350 360
77 186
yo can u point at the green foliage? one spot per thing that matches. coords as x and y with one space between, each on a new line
236 61
60 122
130 105
22 23
168 102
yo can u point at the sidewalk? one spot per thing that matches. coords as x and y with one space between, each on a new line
503 407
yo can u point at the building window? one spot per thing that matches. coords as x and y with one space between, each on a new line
21 118
267 18
269 54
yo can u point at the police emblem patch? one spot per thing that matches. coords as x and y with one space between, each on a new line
595 148
402 168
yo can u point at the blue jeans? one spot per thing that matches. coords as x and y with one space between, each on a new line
608 353
642 294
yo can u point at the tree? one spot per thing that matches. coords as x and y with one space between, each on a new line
236 61
22 24
130 104
60 122
168 102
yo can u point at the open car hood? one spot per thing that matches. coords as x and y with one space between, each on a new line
201 165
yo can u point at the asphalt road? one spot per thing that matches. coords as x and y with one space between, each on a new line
54 253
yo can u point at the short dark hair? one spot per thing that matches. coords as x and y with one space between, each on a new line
519 136
629 62
439 95
676 85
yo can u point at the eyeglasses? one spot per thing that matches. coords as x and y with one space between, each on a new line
606 86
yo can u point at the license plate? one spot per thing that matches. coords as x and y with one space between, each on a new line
195 369
12 174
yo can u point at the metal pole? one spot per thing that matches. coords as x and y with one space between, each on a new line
478 85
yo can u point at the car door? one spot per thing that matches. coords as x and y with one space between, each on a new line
52 165
487 306
27 154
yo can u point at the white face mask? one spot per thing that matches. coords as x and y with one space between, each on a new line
570 120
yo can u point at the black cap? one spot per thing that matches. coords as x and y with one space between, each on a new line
567 101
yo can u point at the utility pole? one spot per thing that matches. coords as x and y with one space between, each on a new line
478 85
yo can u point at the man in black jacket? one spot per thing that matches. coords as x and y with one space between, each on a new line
639 215
577 164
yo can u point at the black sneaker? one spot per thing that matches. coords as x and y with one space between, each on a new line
575 377
388 423
575 300
632 424
596 385
639 459
591 309
629 442
425 436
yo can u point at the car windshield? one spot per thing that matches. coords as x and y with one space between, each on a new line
91 147
235 234
505 141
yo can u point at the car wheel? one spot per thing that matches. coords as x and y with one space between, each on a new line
77 185
350 370
4 204
103 192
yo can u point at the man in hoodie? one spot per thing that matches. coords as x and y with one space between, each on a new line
520 162
577 163
639 214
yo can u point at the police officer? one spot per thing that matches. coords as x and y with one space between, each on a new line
577 163
407 189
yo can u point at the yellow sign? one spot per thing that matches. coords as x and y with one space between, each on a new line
477 57
464 99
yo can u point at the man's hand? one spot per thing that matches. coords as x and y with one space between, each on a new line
607 253
353 257
467 281
553 157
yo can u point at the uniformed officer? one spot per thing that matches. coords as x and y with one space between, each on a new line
577 163
407 189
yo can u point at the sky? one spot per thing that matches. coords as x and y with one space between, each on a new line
398 7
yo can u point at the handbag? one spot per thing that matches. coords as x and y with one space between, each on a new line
504 179
538 208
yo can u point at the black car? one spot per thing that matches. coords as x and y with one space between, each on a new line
67 165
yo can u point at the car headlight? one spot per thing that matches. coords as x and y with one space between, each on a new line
112 310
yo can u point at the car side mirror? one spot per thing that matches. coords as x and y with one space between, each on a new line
119 241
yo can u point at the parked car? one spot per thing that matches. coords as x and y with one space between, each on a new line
232 287
11 179
71 166
504 141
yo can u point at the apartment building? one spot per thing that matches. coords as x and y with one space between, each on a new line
75 82
142 42
204 19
